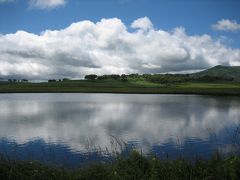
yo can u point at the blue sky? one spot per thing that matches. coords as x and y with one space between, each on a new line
197 17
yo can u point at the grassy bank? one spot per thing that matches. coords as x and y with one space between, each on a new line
134 166
115 86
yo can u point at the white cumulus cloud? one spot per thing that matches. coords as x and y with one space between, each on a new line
107 47
142 23
46 4
226 25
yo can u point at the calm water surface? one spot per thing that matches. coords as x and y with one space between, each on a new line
75 129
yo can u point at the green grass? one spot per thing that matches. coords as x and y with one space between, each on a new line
210 85
133 166
116 86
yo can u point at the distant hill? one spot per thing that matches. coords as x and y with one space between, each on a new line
221 72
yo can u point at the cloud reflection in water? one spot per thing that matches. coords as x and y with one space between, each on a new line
75 120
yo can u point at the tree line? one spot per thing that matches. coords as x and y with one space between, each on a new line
155 78
159 78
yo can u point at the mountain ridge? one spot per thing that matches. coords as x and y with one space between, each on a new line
220 71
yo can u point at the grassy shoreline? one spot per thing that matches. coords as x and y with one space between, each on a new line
122 87
218 80
133 166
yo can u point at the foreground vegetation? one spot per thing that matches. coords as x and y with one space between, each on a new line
134 166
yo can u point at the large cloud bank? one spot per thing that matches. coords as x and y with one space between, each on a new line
109 46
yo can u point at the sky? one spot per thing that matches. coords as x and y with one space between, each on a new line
43 39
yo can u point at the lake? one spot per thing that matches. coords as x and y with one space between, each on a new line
75 129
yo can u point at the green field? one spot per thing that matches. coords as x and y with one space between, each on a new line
219 80
117 86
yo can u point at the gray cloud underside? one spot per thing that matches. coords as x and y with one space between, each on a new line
106 47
